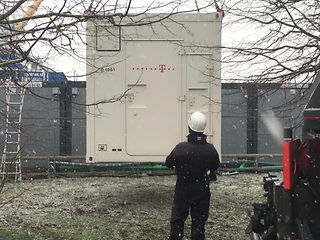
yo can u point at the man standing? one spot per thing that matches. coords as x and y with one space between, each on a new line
195 162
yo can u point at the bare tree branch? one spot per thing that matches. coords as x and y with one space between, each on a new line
12 10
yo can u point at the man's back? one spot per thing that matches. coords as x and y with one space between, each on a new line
195 161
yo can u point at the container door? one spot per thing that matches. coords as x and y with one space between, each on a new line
153 106
198 76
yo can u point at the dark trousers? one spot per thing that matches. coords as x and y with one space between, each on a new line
197 203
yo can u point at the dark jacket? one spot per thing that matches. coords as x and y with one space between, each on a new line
195 161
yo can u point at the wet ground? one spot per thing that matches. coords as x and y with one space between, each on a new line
131 207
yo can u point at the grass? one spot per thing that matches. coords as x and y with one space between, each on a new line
17 234
118 208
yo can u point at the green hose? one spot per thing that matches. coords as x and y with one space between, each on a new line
104 168
243 169
86 168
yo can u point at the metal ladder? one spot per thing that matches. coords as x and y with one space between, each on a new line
11 162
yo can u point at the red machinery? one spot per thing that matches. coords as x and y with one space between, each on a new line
292 209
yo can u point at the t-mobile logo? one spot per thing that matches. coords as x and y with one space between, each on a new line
162 67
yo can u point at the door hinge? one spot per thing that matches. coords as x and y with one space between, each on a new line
182 98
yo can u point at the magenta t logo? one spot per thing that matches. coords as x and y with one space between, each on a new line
162 67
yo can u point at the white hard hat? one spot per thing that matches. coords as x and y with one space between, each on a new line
197 122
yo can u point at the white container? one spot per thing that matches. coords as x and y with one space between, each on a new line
161 73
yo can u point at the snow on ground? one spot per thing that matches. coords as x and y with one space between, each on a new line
116 208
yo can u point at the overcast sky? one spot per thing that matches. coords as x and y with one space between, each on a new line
71 66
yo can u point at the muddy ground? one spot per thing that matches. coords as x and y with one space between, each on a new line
133 207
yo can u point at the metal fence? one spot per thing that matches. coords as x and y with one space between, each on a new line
244 132
54 122
53 119
53 166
